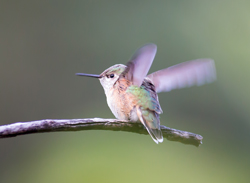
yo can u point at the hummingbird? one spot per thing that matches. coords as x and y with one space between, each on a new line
132 94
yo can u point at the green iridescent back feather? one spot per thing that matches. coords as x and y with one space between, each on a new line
146 95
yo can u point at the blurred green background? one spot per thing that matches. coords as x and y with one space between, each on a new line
44 43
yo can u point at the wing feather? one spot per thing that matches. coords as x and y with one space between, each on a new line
140 63
187 74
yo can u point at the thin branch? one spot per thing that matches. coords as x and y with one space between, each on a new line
54 125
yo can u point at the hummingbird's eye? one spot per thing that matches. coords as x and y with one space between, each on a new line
112 75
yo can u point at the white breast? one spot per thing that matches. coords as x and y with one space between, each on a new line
113 107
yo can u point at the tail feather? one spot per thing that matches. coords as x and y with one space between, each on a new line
153 127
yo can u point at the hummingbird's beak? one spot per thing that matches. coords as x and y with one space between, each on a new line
88 75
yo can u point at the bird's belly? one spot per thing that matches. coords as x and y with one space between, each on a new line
115 110
121 108
133 115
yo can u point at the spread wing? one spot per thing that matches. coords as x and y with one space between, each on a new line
140 63
190 73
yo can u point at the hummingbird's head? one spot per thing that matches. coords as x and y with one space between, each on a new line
107 77
111 75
